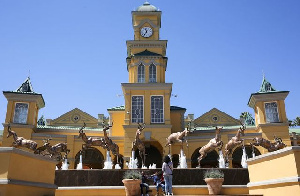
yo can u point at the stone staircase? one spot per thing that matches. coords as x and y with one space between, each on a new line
178 190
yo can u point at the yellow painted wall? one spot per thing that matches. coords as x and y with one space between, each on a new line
117 119
33 169
271 174
176 121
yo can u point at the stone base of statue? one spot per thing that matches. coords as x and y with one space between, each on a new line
25 173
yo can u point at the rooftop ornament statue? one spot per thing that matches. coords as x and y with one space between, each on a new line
211 145
89 141
53 151
234 141
21 141
270 146
138 144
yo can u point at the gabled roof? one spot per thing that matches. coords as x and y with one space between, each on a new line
215 117
75 117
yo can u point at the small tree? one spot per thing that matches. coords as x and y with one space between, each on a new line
247 118
296 122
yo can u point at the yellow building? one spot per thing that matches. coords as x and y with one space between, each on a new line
147 100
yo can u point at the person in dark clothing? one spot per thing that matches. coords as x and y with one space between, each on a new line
144 184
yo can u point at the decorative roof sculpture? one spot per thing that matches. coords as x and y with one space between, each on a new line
266 86
147 7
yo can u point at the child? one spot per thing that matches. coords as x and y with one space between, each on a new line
158 180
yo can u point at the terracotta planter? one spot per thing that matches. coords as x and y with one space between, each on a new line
214 185
132 187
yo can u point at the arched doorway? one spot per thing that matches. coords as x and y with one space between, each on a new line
91 158
175 160
120 161
153 155
238 152
211 160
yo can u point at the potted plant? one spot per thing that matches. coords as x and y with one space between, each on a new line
214 179
132 180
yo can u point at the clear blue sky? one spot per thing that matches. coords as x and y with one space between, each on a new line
76 50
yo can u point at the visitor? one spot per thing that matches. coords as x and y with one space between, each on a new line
158 180
144 184
167 169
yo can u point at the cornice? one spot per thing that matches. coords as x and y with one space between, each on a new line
272 124
146 44
146 86
25 97
265 97
152 126
14 125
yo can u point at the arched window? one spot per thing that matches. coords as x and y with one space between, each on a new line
141 73
152 73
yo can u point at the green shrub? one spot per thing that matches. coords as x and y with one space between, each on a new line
132 174
213 173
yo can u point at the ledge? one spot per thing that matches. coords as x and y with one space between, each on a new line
25 153
27 183
277 153
293 179
151 187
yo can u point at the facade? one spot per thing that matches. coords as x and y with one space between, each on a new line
147 100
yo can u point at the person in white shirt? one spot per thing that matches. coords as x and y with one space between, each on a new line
167 169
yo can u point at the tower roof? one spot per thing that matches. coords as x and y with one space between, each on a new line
25 87
25 93
146 7
266 93
266 86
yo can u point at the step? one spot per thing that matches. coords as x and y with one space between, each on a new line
236 190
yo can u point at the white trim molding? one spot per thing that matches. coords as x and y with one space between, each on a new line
292 179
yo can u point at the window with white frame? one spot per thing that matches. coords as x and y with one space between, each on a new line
152 73
21 112
141 73
137 109
271 112
157 109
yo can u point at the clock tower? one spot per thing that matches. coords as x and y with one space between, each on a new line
147 96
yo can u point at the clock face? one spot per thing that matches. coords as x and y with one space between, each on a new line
146 31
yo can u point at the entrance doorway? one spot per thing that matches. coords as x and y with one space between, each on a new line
238 152
91 158
211 160
153 155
